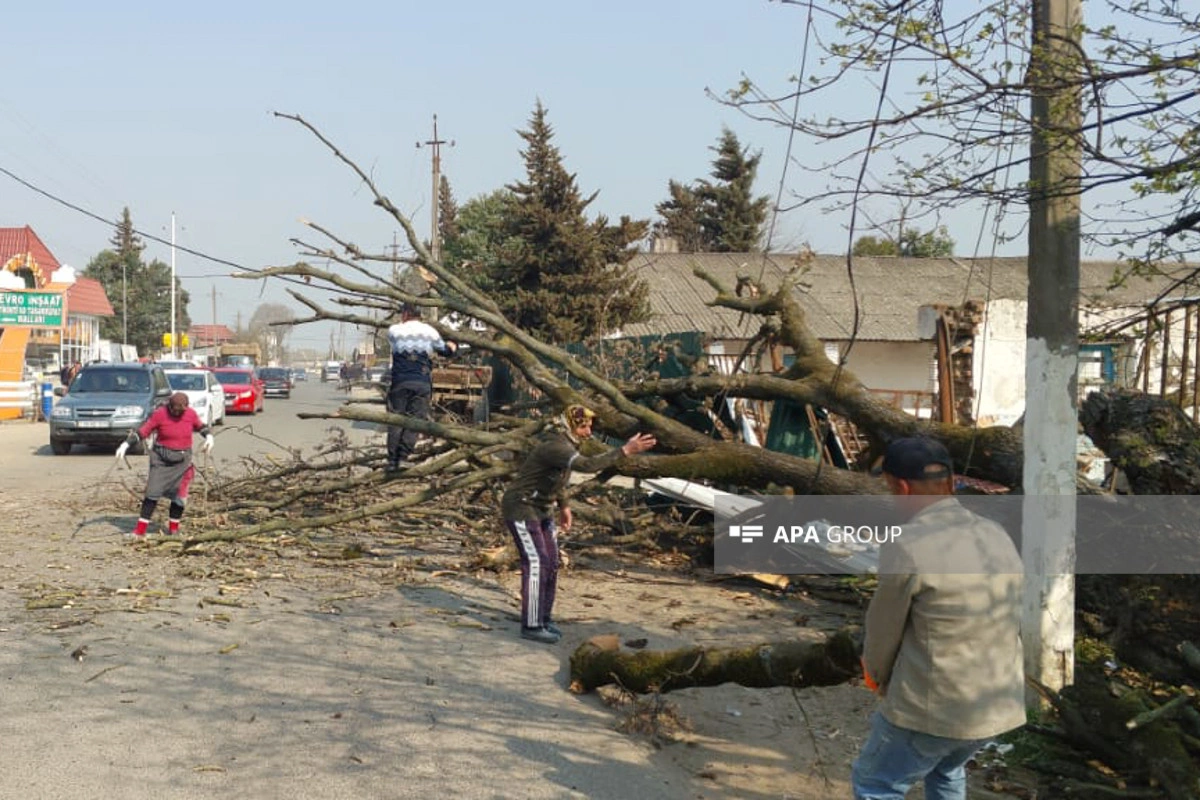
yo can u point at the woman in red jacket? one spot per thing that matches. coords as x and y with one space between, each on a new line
171 469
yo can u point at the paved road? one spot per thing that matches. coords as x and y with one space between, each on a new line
317 680
273 432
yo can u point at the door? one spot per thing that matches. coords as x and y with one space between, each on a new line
216 399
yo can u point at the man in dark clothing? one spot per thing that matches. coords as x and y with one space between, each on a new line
528 504
413 344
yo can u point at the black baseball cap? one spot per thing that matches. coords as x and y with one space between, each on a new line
913 458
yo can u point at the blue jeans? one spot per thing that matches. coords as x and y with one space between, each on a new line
894 758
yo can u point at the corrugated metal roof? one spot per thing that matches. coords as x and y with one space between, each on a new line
890 291
23 244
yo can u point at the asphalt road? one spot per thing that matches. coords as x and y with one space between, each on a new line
274 432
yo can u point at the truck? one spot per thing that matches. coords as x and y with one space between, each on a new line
460 392
239 354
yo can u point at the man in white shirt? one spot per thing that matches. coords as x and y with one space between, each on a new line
413 344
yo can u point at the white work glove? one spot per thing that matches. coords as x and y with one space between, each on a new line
122 450
209 441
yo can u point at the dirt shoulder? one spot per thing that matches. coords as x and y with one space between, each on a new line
291 671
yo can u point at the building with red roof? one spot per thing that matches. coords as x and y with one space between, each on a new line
209 335
23 253
26 349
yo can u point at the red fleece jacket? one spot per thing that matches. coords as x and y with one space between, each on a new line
175 434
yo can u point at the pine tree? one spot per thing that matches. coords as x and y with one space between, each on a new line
125 240
559 275
447 212
140 293
720 215
681 218
730 215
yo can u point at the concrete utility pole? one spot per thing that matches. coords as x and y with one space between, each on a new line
212 344
435 144
174 341
124 300
395 248
1052 346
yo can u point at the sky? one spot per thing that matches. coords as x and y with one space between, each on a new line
166 108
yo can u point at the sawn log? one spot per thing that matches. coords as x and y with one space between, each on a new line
600 660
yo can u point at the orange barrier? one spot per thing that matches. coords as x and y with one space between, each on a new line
12 361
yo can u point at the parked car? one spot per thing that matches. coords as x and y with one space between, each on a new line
204 392
104 403
379 374
243 390
277 381
169 364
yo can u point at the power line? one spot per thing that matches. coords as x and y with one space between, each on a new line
111 223
152 237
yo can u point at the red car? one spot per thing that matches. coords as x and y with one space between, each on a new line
244 392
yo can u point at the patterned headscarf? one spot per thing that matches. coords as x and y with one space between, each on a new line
575 415
177 404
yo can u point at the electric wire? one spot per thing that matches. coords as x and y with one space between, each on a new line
843 357
155 238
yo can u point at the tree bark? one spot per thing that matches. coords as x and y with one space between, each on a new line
600 661
1148 438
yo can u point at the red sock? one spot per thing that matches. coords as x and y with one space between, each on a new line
173 526
140 528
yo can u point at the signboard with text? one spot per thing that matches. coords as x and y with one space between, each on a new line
34 309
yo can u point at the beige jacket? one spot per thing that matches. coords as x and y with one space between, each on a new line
943 629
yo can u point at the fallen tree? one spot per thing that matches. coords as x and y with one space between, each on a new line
1153 444
992 453
600 661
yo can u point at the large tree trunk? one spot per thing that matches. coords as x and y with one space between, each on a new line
600 661
1148 438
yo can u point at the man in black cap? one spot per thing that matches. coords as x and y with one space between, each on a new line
943 646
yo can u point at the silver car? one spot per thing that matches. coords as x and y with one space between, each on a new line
104 403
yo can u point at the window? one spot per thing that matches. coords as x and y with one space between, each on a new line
187 383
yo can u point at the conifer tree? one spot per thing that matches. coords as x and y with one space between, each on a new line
447 212
721 215
125 241
681 218
140 293
559 275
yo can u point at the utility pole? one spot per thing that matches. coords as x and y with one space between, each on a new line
1052 345
435 145
124 300
395 248
174 342
212 344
